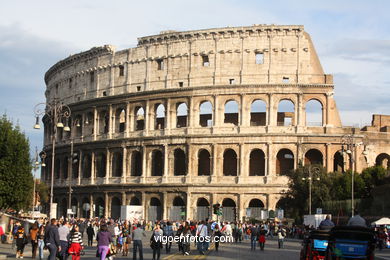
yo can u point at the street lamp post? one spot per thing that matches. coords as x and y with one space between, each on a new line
55 112
312 169
348 141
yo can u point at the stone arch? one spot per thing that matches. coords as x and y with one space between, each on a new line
139 118
313 112
229 210
120 120
75 167
256 203
117 164
178 201
229 163
115 207
180 162
104 122
286 113
101 162
284 161
257 163
205 114
231 114
178 209
157 163
181 115
338 162
383 160
155 201
314 156
202 202
204 162
258 113
86 166
159 113
135 201
85 213
154 210
202 209
99 207
136 163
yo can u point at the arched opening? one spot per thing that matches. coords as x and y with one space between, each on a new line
74 204
136 163
120 120
204 165
135 201
99 208
78 130
229 163
63 208
160 116
257 163
313 156
57 169
286 113
154 211
104 122
178 209
88 124
338 162
313 109
284 162
180 162
258 113
157 163
139 118
85 208
101 165
115 208
117 164
228 210
255 207
383 160
231 112
65 168
202 209
75 166
206 114
86 166
181 115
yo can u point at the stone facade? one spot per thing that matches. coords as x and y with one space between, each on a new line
189 119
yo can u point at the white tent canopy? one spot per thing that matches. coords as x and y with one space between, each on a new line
382 221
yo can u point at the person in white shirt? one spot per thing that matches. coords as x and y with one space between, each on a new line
201 233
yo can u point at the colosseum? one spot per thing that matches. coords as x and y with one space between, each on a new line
185 120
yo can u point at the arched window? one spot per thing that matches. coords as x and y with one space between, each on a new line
204 162
256 203
231 112
99 208
65 168
136 163
160 116
338 162
104 122
313 156
180 162
88 124
229 210
115 208
257 163
155 202
117 164
286 113
206 114
383 160
139 119
258 113
86 163
229 163
135 201
85 208
181 115
313 109
120 120
284 162
157 163
101 165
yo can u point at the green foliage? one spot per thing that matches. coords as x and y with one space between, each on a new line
16 181
43 192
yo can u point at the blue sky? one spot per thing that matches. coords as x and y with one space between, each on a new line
352 39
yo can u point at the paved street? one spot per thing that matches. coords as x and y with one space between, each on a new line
226 251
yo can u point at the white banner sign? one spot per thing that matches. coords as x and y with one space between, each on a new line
132 213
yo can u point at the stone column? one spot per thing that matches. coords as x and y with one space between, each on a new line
240 208
165 205
242 169
299 109
80 166
168 117
124 164
91 202
95 123
192 112
144 205
166 161
216 116
129 120
271 113
93 171
124 202
110 122
188 206
271 161
327 121
149 118
214 172
190 163
298 155
108 166
243 112
145 163
328 162
106 205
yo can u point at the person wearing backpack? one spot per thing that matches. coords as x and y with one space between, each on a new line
281 233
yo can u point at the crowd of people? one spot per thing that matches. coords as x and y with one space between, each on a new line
64 238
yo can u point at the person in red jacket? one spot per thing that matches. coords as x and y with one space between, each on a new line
262 238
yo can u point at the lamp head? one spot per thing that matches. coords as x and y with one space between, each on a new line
37 126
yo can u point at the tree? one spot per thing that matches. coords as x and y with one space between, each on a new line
16 180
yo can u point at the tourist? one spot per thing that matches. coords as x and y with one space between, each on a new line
104 239
201 233
63 233
168 233
281 233
21 241
90 234
185 235
52 240
136 236
76 243
326 224
156 242
217 236
34 239
41 243
357 220
262 234
254 237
